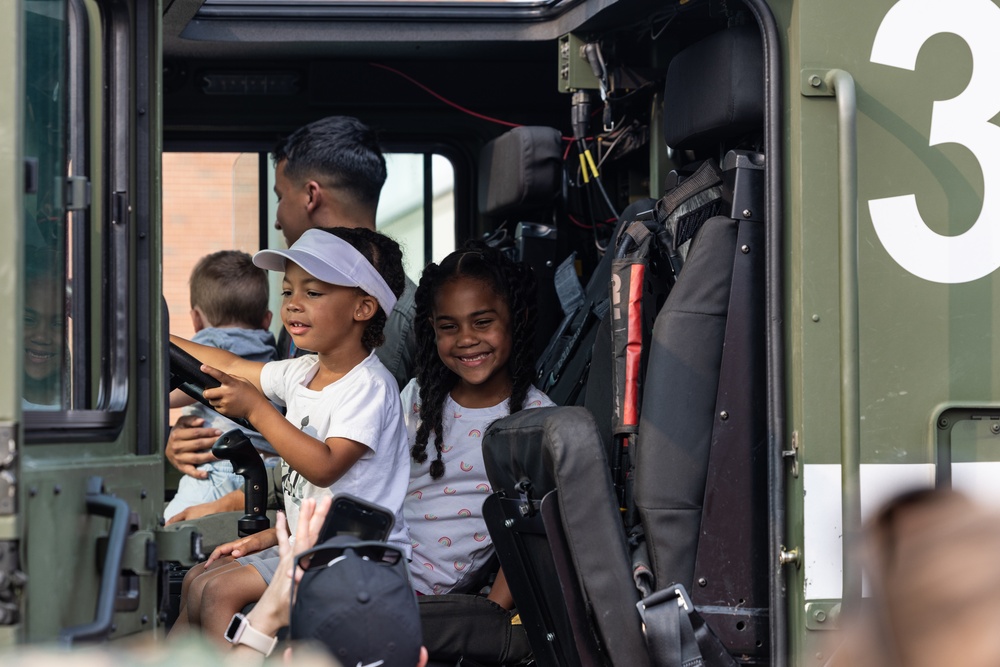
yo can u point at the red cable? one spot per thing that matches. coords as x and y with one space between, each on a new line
458 106
444 99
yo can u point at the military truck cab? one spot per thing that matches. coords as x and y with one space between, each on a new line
773 344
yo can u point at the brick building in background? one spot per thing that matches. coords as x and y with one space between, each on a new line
210 203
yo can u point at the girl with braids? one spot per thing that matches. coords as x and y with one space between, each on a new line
343 430
475 324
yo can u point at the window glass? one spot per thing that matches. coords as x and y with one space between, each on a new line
210 203
402 213
47 288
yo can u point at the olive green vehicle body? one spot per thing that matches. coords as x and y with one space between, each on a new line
883 374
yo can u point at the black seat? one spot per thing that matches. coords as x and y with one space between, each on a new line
520 189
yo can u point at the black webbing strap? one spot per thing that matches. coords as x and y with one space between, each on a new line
677 635
706 176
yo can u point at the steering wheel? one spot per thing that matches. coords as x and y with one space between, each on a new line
186 375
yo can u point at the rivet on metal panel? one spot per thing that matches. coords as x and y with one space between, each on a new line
815 81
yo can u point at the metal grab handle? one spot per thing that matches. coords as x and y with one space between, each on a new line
102 504
842 85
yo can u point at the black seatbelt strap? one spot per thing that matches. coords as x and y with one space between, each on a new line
677 635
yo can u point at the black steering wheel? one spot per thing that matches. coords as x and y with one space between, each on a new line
186 375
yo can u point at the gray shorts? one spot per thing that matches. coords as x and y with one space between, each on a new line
265 562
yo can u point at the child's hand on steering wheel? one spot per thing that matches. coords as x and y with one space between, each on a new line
236 397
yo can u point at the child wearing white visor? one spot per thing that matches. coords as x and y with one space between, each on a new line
343 429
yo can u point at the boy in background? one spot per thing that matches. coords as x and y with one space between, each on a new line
229 311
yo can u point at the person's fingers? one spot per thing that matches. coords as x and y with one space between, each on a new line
317 518
188 421
215 373
194 439
281 531
180 516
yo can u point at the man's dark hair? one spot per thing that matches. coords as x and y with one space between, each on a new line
339 152
385 255
229 289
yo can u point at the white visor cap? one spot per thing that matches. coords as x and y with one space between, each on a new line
333 260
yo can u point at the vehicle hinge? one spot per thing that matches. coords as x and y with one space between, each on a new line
77 193
181 543
12 579
793 454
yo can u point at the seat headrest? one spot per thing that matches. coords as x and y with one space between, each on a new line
520 170
715 90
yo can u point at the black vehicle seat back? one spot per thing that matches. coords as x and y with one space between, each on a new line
700 480
520 190
553 518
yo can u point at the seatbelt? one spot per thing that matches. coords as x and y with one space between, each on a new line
676 634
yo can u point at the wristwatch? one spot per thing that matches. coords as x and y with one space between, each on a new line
240 632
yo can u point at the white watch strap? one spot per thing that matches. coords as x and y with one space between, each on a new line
255 639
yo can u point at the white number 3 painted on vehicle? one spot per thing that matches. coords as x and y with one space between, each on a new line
963 120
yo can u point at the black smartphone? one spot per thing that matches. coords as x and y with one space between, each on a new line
350 515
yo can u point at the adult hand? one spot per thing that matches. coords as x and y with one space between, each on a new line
189 445
245 545
231 502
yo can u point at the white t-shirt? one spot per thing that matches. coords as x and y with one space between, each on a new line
362 406
447 530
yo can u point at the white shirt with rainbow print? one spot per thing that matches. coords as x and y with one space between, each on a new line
445 516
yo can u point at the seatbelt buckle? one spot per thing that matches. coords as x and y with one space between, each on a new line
666 595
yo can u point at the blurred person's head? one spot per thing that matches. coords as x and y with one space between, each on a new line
328 173
227 290
355 599
932 560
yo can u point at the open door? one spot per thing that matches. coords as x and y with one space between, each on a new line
82 482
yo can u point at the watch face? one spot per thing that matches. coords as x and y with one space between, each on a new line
234 626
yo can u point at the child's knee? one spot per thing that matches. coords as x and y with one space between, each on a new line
231 591
193 574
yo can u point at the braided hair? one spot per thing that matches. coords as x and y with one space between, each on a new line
513 282
384 254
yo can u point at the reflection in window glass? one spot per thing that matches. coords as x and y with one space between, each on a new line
45 367
44 332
